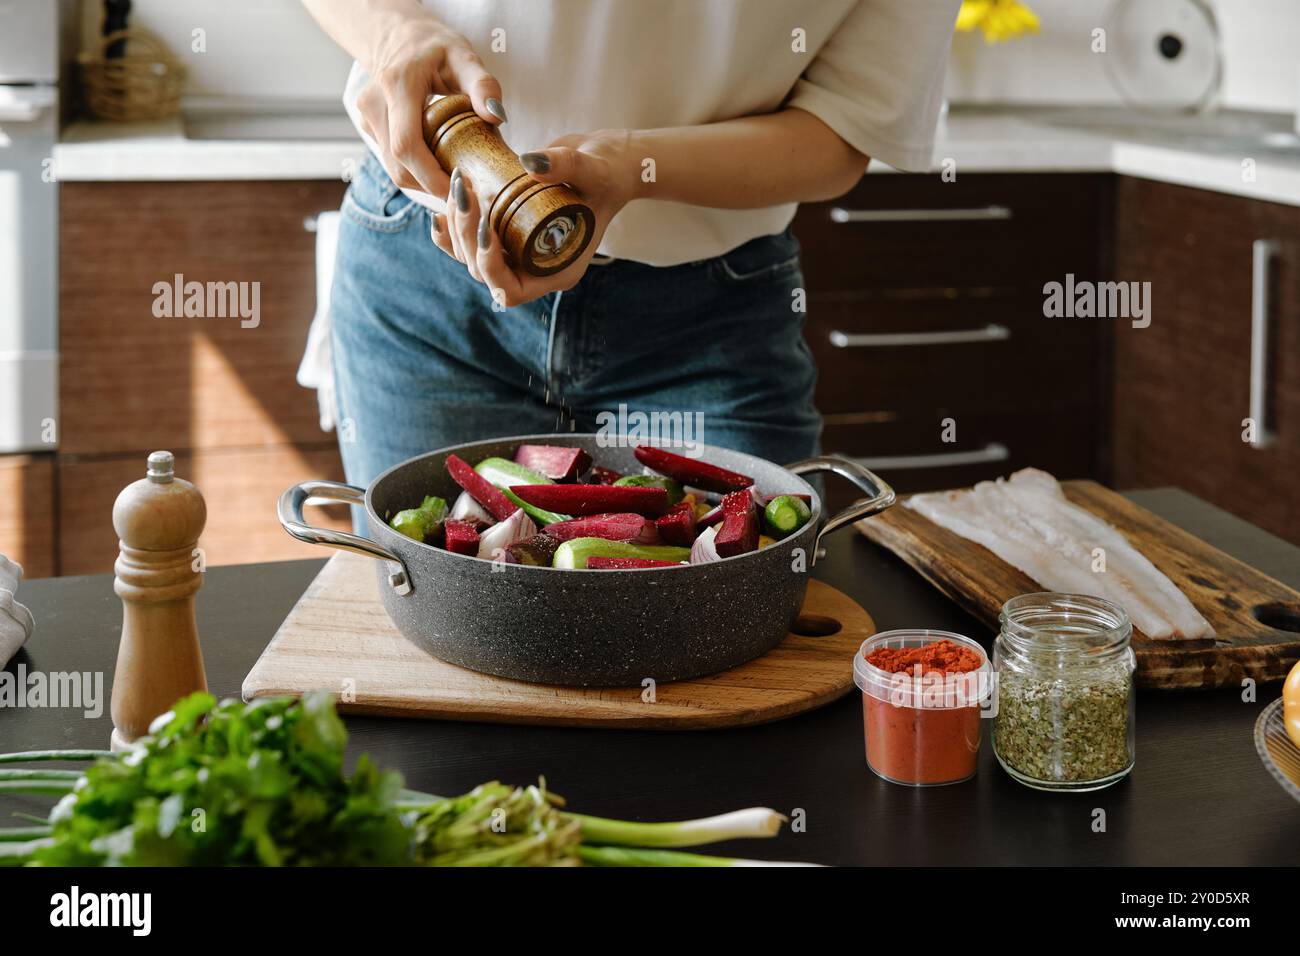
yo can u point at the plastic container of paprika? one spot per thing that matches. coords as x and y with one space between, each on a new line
921 711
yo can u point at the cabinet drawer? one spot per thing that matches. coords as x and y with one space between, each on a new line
978 232
131 380
965 356
909 452
240 487
27 512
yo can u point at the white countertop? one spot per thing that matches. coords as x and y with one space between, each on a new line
980 141
119 152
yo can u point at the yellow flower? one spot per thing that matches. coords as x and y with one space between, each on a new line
997 19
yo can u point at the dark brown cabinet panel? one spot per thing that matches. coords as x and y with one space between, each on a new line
1182 385
240 487
131 380
27 512
926 303
220 392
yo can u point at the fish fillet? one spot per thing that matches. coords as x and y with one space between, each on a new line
1027 521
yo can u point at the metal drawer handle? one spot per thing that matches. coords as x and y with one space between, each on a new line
1262 254
852 340
992 452
842 215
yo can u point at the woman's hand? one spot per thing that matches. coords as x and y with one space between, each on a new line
598 166
416 56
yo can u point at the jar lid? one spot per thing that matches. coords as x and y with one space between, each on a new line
927 691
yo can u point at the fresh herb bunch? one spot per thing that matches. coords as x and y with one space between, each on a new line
263 784
233 784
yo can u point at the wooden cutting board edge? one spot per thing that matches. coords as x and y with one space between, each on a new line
1162 664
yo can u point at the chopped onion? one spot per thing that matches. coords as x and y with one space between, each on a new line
467 509
703 550
649 534
493 542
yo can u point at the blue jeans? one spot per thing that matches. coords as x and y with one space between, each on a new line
421 359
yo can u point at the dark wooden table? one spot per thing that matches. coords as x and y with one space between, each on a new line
1198 796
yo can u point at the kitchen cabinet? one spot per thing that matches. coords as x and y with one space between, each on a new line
926 317
27 512
1182 386
240 487
217 389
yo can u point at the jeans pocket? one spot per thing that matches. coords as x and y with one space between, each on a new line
374 201
765 259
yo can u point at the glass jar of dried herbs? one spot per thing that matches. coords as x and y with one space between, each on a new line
1064 692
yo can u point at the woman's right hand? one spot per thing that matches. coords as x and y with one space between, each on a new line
413 57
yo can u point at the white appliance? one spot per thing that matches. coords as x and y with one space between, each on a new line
29 334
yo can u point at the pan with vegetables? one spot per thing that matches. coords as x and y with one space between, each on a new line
555 559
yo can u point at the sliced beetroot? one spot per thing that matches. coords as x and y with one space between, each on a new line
594 499
603 476
739 531
460 537
556 462
678 526
480 489
688 471
611 527
537 550
625 564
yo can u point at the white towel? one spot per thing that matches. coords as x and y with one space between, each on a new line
316 370
16 621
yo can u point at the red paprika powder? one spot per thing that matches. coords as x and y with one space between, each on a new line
921 694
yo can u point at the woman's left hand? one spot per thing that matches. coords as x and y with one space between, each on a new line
597 166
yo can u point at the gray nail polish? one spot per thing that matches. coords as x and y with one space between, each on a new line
496 108
437 224
458 191
484 233
535 162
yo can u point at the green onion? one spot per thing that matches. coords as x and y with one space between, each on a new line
72 755
39 774
23 834
741 824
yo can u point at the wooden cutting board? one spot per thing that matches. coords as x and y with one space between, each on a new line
1242 604
339 638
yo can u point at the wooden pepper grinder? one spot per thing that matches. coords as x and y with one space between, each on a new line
542 228
158 519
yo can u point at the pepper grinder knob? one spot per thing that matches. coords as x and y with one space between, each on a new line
158 520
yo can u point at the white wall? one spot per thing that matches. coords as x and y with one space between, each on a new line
264 48
255 48
1261 45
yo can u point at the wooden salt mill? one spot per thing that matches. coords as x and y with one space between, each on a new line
543 228
158 519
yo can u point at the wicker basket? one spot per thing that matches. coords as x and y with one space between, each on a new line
144 84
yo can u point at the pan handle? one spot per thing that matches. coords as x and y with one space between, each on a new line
290 513
879 495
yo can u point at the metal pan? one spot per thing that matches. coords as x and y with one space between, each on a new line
579 627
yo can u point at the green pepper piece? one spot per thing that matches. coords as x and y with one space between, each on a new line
574 553
785 514
422 523
674 488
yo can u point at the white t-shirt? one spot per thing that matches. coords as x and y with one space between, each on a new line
872 70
